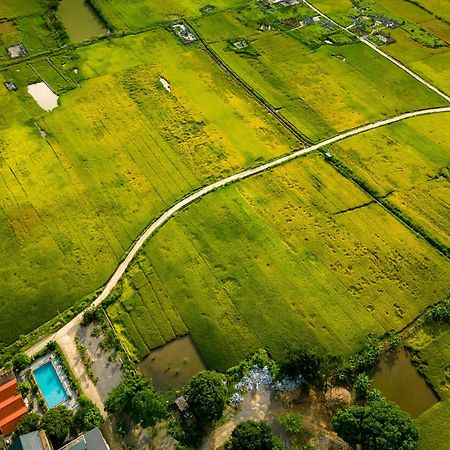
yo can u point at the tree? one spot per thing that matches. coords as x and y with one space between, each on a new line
21 361
148 407
362 386
207 395
291 421
87 416
30 422
119 399
56 423
252 435
305 362
381 425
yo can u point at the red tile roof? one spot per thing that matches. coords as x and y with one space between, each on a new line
12 406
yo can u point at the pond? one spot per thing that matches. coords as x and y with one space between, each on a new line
43 95
80 20
172 365
7 28
398 380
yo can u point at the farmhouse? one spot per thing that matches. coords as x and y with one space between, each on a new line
12 406
385 39
36 440
241 44
184 33
17 51
283 2
11 86
92 440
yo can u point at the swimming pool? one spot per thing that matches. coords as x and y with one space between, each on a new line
50 385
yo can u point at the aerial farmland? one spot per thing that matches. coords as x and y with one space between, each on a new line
225 224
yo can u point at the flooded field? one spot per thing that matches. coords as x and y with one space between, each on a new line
172 365
399 381
80 20
43 95
7 28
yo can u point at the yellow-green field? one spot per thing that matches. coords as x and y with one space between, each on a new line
126 15
321 91
119 150
431 63
408 162
297 255
433 347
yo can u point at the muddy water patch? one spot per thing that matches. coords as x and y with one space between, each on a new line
80 20
398 380
172 365
7 28
43 95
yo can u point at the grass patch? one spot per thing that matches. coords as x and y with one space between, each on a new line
432 346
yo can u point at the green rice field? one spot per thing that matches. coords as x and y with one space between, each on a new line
119 150
321 90
296 255
409 163
433 347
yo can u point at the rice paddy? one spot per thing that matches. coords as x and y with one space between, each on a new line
297 255
321 90
118 150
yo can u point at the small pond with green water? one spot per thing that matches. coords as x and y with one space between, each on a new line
172 365
398 380
80 20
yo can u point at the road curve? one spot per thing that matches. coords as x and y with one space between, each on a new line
158 223
385 55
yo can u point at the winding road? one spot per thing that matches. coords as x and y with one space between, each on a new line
62 334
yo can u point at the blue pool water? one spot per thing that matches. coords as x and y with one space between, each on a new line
50 385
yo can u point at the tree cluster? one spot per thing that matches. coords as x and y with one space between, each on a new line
207 395
380 425
253 435
137 397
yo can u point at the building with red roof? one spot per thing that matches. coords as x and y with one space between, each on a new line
12 405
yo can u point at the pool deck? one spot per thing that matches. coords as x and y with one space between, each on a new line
53 359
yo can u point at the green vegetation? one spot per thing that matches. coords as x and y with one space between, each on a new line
136 397
28 423
292 422
379 425
406 164
119 150
285 74
127 16
253 435
87 416
21 361
207 395
56 423
299 248
86 359
431 345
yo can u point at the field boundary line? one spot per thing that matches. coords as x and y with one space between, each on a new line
385 55
250 90
180 205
